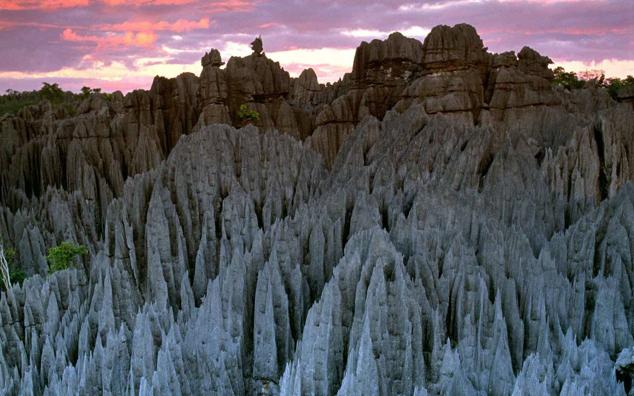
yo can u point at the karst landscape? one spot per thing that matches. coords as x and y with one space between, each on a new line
442 220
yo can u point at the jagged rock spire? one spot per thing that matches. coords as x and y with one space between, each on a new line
228 261
256 46
212 58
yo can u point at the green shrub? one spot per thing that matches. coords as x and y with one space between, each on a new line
9 255
52 92
246 114
16 275
613 85
85 91
13 101
568 80
61 257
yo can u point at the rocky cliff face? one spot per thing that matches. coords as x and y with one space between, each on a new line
452 224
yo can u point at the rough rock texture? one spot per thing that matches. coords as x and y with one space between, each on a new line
475 238
380 72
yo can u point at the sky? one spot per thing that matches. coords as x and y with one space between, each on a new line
123 44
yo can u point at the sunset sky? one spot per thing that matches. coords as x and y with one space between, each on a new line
123 44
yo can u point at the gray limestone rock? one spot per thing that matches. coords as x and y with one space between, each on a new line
451 224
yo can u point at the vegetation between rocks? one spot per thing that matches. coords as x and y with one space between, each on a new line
59 258
571 80
14 101
62 256
8 268
246 114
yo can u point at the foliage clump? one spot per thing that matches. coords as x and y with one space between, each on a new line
572 80
16 275
61 257
14 101
568 80
246 114
615 84
87 91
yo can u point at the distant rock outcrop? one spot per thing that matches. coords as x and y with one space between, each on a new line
440 221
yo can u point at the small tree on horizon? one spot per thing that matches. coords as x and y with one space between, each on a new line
51 92
568 80
85 91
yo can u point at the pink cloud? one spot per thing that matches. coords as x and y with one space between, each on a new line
575 31
146 2
180 26
51 35
270 25
20 5
227 5
210 7
9 24
128 39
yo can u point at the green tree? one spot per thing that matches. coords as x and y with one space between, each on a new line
61 257
246 114
568 80
53 93
571 80
64 103
85 91
613 85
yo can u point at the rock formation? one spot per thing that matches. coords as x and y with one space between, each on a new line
452 224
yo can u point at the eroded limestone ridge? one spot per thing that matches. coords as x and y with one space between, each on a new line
440 221
450 73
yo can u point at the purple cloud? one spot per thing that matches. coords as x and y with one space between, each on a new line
121 43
